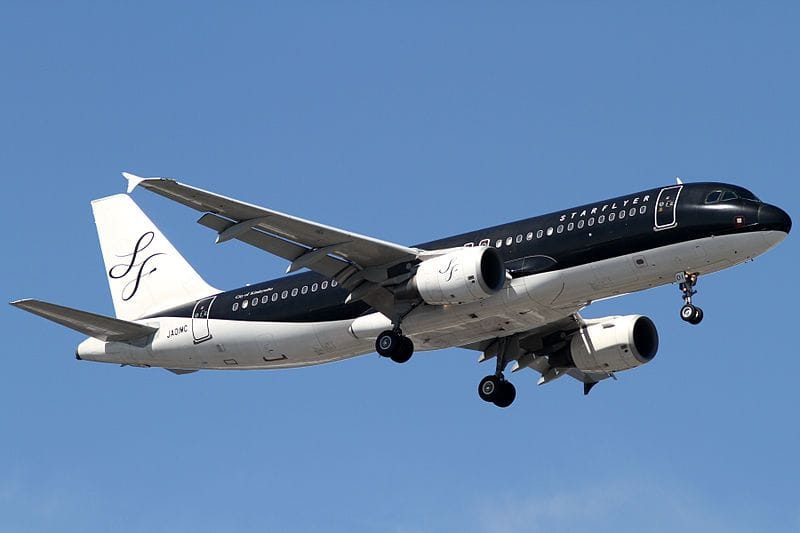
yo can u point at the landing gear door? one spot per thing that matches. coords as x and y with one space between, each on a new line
200 329
666 207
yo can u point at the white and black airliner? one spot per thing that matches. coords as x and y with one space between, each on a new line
512 292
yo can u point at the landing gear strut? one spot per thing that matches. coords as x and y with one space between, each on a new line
689 312
394 345
495 389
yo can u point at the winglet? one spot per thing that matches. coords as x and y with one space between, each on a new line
133 180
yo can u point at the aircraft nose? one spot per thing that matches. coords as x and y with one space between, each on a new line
774 218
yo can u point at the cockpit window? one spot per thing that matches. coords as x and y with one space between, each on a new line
713 197
747 195
728 195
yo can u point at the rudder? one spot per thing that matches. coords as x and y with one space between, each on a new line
145 272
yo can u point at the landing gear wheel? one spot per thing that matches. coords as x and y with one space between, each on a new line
394 345
691 314
386 343
489 388
494 389
507 394
403 351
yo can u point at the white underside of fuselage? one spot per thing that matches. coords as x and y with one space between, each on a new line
525 303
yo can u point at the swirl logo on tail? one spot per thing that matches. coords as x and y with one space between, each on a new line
138 269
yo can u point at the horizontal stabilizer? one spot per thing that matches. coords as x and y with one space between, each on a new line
97 326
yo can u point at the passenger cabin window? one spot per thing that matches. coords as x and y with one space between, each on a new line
529 236
284 295
264 299
612 217
274 296
314 287
509 240
632 212
244 304
294 292
539 234
643 210
335 283
560 228
254 302
304 290
601 219
580 224
549 231
499 243
324 285
236 306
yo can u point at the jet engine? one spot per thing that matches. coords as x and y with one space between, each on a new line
463 276
614 343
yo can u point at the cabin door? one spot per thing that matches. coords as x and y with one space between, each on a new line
200 320
666 207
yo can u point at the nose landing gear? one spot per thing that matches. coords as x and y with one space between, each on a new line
689 312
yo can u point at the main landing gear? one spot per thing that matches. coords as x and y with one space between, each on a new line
495 389
394 345
689 312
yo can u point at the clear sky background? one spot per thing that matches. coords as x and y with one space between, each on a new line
406 122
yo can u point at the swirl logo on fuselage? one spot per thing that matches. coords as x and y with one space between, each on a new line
135 266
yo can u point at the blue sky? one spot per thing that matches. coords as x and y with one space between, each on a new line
407 123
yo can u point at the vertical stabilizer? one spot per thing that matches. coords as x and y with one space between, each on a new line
145 272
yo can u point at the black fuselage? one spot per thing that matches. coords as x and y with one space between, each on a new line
624 225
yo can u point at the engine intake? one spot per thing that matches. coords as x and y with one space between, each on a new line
614 344
463 276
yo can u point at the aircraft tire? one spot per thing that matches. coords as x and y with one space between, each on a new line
403 351
387 343
507 394
489 388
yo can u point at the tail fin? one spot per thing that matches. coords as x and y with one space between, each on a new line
145 272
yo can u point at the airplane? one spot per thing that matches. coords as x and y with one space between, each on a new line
512 292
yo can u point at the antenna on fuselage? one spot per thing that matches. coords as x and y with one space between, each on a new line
678 179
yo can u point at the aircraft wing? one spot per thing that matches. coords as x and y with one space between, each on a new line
360 263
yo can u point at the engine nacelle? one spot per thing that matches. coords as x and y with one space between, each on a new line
463 276
614 344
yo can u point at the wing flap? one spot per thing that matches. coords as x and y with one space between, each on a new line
325 265
91 324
